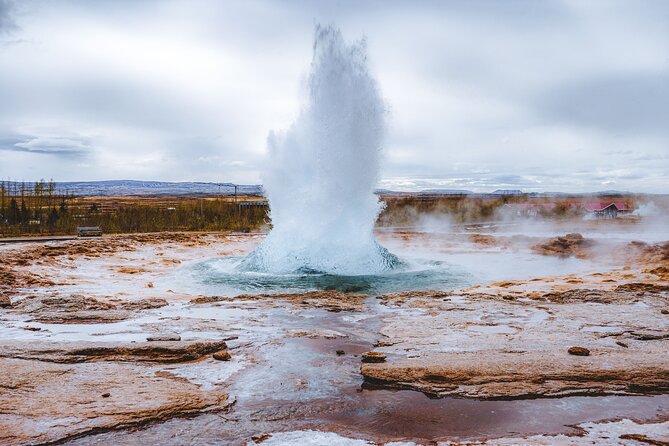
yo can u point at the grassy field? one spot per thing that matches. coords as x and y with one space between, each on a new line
39 211
411 210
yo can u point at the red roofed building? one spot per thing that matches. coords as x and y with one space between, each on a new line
607 209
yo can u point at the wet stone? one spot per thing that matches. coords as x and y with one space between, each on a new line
650 335
579 351
222 355
45 403
259 438
573 244
643 439
80 352
373 357
163 338
32 328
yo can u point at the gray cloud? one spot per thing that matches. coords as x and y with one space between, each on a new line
6 16
557 94
62 146
6 8
623 104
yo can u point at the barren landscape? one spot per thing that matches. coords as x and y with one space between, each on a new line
121 339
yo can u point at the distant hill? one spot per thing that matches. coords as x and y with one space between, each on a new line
148 188
508 192
612 193
121 188
425 192
445 192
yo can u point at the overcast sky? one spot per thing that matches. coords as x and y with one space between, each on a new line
534 95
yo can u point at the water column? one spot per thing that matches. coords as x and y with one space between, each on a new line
323 170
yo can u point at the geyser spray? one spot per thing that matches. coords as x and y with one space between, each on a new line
323 170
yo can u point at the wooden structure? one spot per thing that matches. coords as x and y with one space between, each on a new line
607 209
89 231
252 203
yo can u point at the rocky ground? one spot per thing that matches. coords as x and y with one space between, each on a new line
495 346
104 341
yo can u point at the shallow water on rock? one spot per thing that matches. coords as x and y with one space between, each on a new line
332 400
285 374
298 382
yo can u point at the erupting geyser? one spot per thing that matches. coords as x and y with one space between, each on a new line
322 171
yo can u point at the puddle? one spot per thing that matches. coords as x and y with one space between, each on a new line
383 414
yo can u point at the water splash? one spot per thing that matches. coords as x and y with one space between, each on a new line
323 170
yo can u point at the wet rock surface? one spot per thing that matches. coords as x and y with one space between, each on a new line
102 357
72 309
80 351
573 244
222 355
578 351
523 375
163 338
484 346
333 301
373 357
624 432
44 402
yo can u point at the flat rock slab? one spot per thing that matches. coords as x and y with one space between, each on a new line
334 301
47 402
163 338
76 352
485 346
79 309
495 375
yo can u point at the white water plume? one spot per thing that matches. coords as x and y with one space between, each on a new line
322 172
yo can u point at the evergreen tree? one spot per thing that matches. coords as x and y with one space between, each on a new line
25 213
13 214
53 218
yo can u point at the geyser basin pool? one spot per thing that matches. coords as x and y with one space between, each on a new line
224 276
